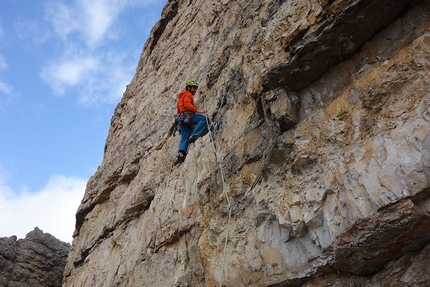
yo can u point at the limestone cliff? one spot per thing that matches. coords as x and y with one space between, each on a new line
38 260
317 176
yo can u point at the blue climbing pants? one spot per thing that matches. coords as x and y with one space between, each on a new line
200 122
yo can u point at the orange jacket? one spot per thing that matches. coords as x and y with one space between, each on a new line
185 102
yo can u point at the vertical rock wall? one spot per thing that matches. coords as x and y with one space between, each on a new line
318 174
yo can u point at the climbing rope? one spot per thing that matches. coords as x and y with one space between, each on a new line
219 161
259 176
251 189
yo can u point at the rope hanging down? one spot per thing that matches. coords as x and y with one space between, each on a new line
251 189
259 176
219 161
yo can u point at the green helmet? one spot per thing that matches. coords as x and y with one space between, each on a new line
191 83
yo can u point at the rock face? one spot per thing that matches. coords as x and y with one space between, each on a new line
319 173
36 261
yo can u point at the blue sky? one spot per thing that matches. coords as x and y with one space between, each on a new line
64 66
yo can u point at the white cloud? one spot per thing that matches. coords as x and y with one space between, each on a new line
3 64
6 89
52 209
99 16
69 72
108 84
63 18
98 79
91 20
99 73
30 31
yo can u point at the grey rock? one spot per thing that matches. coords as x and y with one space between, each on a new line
36 261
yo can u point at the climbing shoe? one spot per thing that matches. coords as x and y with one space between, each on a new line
192 139
180 158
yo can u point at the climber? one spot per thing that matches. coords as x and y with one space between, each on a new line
189 115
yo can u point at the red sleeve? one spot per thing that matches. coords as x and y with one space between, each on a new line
189 103
185 102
